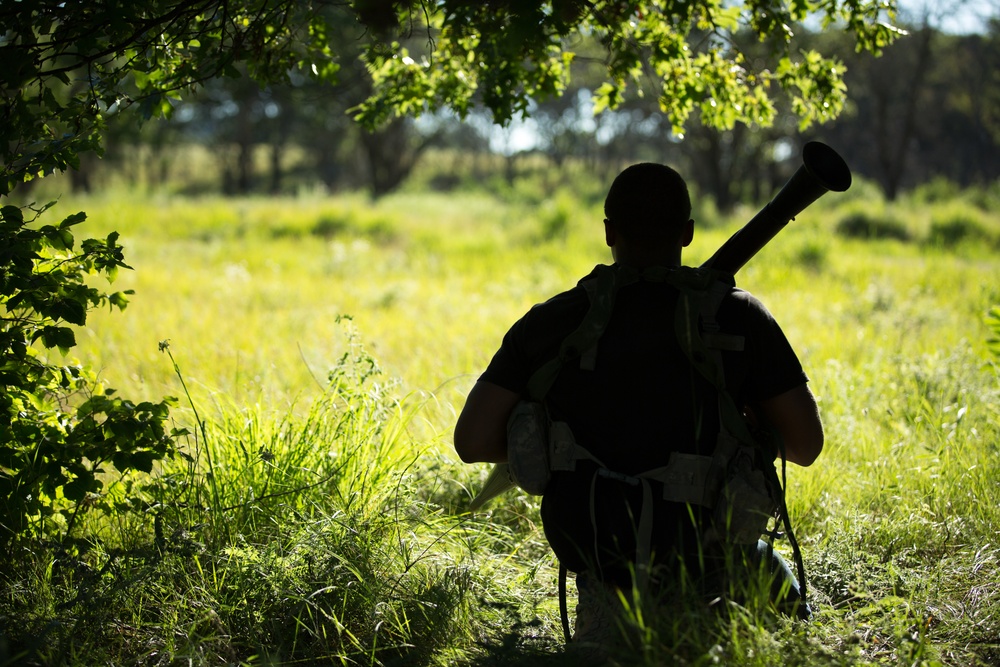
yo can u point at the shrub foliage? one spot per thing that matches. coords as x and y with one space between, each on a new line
58 429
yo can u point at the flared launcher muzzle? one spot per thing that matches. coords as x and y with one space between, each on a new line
822 171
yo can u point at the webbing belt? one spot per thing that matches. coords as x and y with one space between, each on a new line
687 478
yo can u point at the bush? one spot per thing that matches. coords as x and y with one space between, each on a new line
354 222
939 189
328 226
862 224
59 428
812 254
958 223
984 197
554 217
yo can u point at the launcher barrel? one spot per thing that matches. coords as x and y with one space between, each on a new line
822 171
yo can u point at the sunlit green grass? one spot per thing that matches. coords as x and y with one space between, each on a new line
321 515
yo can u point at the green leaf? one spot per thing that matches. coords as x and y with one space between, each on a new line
606 97
77 489
121 461
74 219
71 311
993 323
12 215
143 461
119 300
728 19
61 337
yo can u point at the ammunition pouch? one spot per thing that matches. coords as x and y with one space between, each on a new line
528 447
536 446
747 502
731 483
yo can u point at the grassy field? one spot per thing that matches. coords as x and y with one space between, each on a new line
323 346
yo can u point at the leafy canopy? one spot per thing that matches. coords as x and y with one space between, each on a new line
67 67
504 52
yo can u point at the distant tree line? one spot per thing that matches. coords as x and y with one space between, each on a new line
929 108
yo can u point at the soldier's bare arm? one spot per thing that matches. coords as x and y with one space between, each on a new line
481 430
796 416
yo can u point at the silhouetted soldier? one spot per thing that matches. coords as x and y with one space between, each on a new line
631 379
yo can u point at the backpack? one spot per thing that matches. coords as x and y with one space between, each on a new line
738 483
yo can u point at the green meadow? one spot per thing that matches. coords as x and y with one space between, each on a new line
320 348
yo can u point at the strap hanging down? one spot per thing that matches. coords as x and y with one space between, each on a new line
702 357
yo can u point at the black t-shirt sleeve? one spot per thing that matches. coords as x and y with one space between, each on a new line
535 339
772 366
508 367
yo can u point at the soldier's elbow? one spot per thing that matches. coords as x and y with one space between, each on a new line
464 444
805 450
467 455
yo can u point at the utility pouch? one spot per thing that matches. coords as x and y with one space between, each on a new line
688 478
563 451
528 447
747 502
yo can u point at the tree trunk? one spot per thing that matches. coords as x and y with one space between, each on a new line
391 156
277 170
896 117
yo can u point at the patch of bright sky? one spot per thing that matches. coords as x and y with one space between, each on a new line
520 135
960 17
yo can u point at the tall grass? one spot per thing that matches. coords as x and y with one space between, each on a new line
287 538
323 347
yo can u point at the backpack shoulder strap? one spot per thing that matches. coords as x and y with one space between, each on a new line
703 347
601 286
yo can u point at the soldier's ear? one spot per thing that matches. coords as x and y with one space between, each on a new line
688 234
610 235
